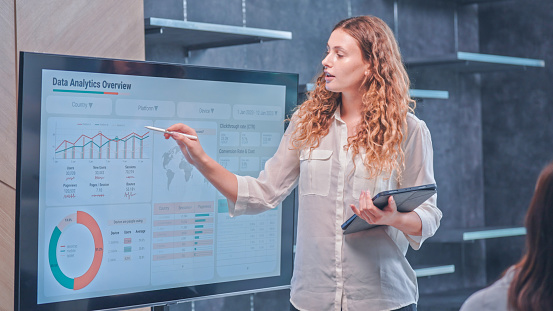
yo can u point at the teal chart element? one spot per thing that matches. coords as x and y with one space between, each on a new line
82 281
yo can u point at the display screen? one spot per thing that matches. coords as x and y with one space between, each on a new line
111 214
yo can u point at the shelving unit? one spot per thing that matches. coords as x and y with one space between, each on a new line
197 36
474 62
461 242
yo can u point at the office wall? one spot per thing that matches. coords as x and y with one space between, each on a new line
100 28
8 125
104 28
7 94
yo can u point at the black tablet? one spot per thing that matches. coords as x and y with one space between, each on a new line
407 199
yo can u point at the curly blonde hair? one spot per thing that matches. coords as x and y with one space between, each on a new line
386 101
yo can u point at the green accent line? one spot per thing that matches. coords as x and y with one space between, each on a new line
199 226
202 215
494 233
56 271
435 270
199 220
429 94
499 59
198 232
76 91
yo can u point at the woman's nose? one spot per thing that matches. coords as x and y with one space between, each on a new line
326 62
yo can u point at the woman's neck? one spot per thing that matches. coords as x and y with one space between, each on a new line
351 108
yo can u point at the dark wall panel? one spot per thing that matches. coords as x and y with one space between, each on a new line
516 117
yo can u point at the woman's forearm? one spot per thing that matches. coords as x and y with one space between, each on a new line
221 178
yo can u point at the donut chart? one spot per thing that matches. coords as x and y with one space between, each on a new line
82 281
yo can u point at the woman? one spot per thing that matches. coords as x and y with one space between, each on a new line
352 138
528 285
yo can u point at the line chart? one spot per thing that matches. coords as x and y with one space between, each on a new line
101 146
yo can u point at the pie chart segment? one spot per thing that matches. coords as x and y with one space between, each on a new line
84 219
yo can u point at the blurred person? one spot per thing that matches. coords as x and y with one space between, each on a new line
353 137
527 285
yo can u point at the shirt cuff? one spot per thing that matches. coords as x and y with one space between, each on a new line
416 240
240 207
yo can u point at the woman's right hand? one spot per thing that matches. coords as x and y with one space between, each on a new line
191 148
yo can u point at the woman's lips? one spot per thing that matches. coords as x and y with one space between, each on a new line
328 77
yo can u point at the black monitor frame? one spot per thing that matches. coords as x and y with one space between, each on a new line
27 192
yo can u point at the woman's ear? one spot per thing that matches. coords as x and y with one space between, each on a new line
367 70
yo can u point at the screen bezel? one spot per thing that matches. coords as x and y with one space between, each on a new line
27 191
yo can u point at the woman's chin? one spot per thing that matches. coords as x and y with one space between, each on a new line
331 88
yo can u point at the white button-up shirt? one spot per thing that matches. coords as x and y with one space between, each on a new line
366 270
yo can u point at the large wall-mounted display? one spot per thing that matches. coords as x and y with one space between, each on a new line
110 214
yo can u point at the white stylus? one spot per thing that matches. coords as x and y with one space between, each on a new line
170 132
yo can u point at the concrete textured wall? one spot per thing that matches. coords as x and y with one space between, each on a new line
517 115
490 138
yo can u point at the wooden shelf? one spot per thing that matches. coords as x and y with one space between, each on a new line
197 36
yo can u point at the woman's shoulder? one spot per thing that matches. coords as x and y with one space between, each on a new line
416 128
414 122
493 297
294 118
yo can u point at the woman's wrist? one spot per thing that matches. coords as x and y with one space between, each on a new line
202 163
398 221
408 223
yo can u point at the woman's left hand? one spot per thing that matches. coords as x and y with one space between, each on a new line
374 215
